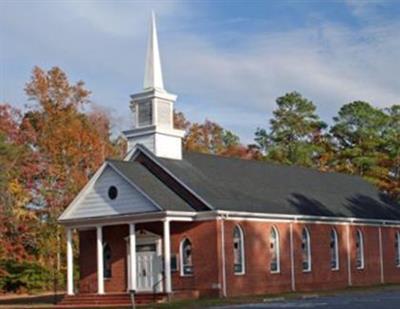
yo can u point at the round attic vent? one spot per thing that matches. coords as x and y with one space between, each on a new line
112 192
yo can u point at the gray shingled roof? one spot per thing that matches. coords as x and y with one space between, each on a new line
151 185
240 185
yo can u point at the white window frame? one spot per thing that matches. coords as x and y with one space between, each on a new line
182 268
309 259
336 248
277 250
242 255
397 253
359 234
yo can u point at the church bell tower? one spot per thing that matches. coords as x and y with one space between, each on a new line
153 109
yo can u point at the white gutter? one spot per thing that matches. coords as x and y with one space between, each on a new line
224 294
303 217
128 219
292 270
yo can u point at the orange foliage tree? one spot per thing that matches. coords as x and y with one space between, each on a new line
210 137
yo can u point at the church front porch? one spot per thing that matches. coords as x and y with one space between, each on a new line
105 251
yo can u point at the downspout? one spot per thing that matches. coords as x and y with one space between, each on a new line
381 256
223 256
293 278
349 256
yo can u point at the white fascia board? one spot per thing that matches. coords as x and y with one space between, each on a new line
83 192
268 217
114 220
305 218
154 93
180 216
152 129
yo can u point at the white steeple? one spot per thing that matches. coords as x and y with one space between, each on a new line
153 109
153 73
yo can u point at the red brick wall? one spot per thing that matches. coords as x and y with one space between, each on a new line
87 261
257 278
205 250
321 275
206 245
114 236
391 271
371 273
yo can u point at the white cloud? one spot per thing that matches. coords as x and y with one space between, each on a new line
234 83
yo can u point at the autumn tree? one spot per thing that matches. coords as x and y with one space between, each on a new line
72 144
294 134
391 136
18 167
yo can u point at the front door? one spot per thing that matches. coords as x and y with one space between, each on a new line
148 263
147 267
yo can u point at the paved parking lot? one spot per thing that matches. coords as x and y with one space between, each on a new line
381 300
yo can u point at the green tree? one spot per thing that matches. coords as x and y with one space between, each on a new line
358 132
295 132
391 136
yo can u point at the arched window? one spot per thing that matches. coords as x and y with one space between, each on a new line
359 250
306 249
238 250
397 248
334 248
107 272
186 258
274 250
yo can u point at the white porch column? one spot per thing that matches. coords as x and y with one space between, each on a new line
100 262
132 255
167 257
70 265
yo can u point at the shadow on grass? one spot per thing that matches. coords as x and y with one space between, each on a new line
47 299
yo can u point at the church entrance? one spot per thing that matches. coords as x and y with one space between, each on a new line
148 263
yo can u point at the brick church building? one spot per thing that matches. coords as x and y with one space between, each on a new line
168 223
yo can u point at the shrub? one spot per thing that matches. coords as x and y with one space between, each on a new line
24 276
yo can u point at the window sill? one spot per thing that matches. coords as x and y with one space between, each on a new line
335 269
306 270
239 274
275 272
186 276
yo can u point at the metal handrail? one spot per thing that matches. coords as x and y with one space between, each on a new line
156 284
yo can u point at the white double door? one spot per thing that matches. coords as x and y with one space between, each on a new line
148 268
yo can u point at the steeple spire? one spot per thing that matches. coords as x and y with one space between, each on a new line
153 109
153 75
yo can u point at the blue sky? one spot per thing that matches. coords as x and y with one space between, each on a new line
226 60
